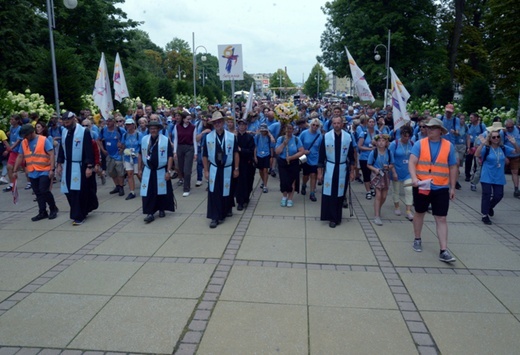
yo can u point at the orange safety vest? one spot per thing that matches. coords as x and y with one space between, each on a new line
38 160
439 170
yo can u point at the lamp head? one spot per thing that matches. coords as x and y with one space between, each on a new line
203 58
377 57
70 4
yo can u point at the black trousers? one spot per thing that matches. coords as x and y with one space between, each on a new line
41 187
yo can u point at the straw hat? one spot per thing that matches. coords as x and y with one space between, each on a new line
435 122
496 126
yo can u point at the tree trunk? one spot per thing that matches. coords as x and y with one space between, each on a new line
457 31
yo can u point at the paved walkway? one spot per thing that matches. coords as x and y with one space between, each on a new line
268 280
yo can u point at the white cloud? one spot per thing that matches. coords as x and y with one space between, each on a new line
273 35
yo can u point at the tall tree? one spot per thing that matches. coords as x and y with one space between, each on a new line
317 81
281 84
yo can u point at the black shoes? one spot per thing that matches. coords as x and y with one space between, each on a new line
162 214
491 212
240 207
54 213
332 224
457 186
40 216
121 191
115 190
130 196
213 223
487 221
229 214
303 190
150 218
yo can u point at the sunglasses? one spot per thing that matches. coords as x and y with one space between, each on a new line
495 137
422 126
120 121
314 124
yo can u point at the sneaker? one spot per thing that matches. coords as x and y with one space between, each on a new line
186 194
198 183
446 257
320 183
121 191
417 245
8 188
265 190
77 222
3 180
312 197
368 196
345 203
240 207
473 187
516 193
180 182
303 190
397 212
409 215
175 175
262 185
290 203
378 221
486 220
28 186
273 173
283 202
40 216
130 196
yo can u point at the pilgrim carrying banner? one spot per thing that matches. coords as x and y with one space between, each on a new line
230 62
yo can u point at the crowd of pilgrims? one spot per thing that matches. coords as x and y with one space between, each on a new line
296 151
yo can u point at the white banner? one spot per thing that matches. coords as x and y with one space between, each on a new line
102 93
358 77
230 62
120 89
249 103
399 98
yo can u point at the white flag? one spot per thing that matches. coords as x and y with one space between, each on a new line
120 89
399 98
358 77
102 93
249 103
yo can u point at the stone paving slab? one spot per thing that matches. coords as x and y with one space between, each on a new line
474 333
340 252
193 246
92 278
266 285
487 256
272 248
129 324
168 280
16 273
12 239
276 227
462 293
131 244
505 289
253 328
358 331
60 241
48 320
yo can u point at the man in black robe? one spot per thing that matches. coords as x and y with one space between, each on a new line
336 154
78 181
155 172
220 159
246 169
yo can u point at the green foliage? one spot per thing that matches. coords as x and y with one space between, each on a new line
487 115
445 92
422 88
476 95
187 100
282 84
14 103
143 86
429 104
310 87
165 89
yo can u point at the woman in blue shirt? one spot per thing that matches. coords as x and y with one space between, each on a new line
492 176
311 140
401 149
289 149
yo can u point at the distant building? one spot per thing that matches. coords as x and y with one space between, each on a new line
340 86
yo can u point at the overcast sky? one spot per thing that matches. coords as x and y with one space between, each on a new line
273 34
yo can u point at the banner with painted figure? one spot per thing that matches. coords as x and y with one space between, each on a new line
358 77
120 88
399 98
102 93
230 62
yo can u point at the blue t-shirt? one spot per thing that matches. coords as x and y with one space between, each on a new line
475 130
263 145
368 137
14 135
451 124
381 160
274 128
132 142
308 138
435 147
294 144
507 143
111 138
400 156
493 166
253 126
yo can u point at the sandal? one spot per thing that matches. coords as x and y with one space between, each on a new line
368 196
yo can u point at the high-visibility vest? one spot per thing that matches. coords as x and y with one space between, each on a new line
38 160
439 170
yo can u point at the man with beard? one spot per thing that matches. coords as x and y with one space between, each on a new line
76 165
336 154
155 173
246 148
220 159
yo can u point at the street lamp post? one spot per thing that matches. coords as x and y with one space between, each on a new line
179 72
378 57
69 4
203 76
318 86
203 58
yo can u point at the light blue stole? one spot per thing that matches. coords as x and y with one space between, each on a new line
163 162
329 165
76 159
228 147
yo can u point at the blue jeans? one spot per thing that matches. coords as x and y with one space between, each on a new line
491 196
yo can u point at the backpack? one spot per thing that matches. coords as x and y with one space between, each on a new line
486 153
102 133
